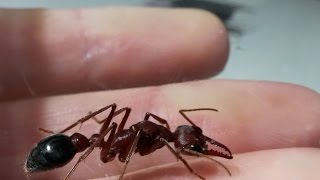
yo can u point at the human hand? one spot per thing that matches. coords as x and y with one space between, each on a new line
50 52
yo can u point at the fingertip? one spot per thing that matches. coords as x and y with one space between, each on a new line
69 51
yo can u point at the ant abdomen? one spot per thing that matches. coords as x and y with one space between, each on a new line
52 152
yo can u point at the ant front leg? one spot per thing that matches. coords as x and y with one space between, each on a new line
179 157
182 112
86 118
129 152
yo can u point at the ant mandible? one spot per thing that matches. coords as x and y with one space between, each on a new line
143 137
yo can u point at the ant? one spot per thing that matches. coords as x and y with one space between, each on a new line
143 137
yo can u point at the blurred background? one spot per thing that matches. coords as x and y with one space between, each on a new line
277 40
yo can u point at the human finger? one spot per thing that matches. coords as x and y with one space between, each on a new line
46 52
252 116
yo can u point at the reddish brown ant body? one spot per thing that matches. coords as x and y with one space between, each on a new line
143 137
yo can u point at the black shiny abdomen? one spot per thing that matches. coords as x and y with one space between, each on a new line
52 152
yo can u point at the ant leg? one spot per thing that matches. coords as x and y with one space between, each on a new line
129 152
182 112
116 113
159 119
84 119
46 131
96 119
202 155
179 157
112 128
105 155
124 119
89 116
90 113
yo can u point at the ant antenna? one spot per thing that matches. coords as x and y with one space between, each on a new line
182 112
202 155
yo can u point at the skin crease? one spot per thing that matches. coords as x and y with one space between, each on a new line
272 128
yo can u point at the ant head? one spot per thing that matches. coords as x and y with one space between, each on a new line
52 152
189 138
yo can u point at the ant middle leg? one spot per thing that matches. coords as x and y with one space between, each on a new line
182 112
159 119
129 152
85 118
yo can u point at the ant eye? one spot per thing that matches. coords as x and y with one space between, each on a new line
197 148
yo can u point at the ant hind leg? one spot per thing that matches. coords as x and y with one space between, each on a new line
45 131
84 119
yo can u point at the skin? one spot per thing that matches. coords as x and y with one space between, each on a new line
272 128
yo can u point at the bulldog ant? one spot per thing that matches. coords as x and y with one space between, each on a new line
143 137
